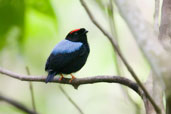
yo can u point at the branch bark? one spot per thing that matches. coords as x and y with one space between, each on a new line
71 100
165 29
78 81
112 24
31 91
129 68
148 42
165 37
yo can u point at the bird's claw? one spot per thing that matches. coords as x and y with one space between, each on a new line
61 77
73 77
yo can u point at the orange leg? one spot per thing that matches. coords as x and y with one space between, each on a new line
61 77
73 77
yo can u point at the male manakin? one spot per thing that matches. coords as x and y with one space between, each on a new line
69 55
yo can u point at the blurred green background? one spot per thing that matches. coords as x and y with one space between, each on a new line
29 29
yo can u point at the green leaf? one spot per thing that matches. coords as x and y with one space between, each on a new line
11 15
43 6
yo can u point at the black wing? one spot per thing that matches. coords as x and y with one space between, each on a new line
59 60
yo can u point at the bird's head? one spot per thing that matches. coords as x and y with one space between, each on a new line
77 35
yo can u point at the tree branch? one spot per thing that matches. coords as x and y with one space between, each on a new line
17 105
165 37
70 100
78 81
31 91
112 24
129 68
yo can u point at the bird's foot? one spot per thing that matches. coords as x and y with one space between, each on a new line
73 77
61 77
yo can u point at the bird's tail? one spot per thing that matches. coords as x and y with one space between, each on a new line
50 76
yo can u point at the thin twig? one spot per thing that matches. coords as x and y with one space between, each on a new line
31 90
112 24
17 105
129 68
70 99
78 81
114 34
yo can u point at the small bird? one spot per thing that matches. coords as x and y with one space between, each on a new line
69 55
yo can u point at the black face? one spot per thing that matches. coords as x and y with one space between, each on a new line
77 35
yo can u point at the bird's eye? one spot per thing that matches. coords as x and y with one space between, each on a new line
75 33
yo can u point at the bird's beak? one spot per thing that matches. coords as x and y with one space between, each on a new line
85 31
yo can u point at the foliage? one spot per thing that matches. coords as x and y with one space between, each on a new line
14 17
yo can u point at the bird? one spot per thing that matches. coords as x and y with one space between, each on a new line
69 55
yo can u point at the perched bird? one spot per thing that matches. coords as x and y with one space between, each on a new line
69 55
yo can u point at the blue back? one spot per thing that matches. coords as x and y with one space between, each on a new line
67 57
66 46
